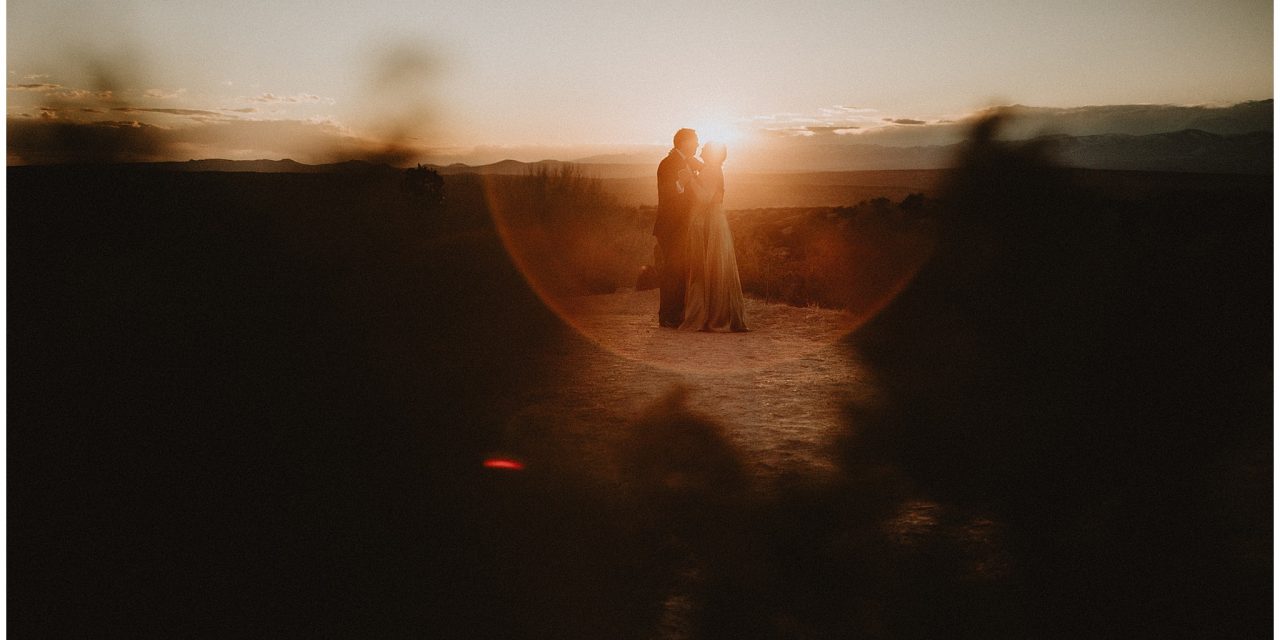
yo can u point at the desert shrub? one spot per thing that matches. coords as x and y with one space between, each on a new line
1063 362
424 185
844 257
572 235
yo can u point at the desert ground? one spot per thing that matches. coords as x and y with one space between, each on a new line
779 389
264 401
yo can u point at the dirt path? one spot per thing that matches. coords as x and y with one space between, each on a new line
778 389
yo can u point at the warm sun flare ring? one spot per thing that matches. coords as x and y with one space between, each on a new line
528 241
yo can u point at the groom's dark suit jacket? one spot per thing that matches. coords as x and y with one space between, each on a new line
673 206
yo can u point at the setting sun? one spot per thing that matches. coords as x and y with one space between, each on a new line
699 320
718 131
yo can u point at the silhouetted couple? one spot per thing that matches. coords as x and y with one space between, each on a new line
698 276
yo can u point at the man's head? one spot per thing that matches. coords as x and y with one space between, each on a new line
686 141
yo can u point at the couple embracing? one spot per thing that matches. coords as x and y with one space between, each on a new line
698 276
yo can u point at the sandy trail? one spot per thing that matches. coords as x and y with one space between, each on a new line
778 389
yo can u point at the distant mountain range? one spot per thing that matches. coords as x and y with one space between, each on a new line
591 167
1188 150
1191 150
268 166
505 167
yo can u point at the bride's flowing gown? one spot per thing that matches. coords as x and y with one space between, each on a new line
713 294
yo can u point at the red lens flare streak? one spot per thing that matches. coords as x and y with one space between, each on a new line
504 463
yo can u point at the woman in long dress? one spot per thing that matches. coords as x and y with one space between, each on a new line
713 292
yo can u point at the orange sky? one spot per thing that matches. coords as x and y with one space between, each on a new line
485 80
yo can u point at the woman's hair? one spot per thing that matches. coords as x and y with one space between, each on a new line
714 152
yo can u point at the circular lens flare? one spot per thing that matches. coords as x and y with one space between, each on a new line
583 264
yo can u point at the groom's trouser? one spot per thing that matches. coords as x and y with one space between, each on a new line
672 274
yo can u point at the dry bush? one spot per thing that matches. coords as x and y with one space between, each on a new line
846 257
574 236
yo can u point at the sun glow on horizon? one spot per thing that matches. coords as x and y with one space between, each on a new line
211 80
718 131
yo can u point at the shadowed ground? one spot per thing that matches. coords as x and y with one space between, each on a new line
241 401
778 389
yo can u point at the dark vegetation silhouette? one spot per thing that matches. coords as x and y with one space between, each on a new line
573 236
425 184
1091 372
260 402
101 125
253 400
836 257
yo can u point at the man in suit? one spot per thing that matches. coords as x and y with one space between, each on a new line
671 228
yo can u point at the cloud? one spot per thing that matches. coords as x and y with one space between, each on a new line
162 94
839 129
893 134
298 98
175 112
837 120
36 86
52 139
840 110
68 112
73 94
809 131
786 132
199 115
790 118
1028 122
777 140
